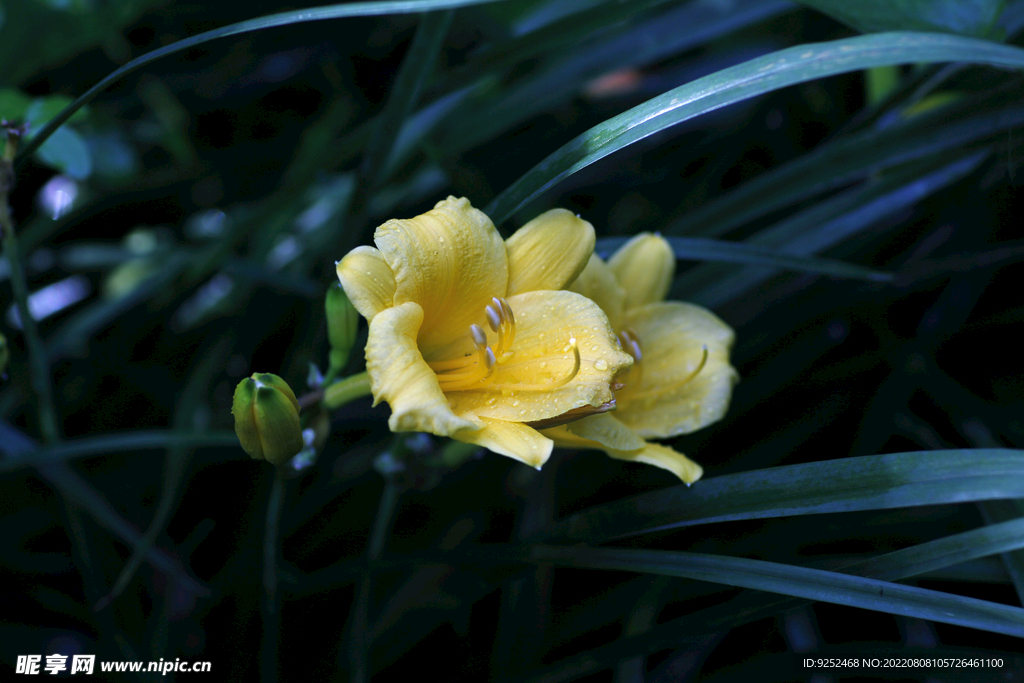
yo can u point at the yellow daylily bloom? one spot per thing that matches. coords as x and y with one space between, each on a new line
470 336
682 379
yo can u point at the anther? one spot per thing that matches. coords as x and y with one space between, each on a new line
493 319
479 338
489 359
507 310
631 344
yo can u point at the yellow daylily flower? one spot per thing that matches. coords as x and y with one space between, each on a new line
469 335
682 379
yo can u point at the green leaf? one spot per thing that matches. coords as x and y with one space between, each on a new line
13 104
645 43
873 482
43 109
824 225
848 159
967 17
802 582
755 77
417 66
34 36
699 249
337 11
104 444
67 152
751 605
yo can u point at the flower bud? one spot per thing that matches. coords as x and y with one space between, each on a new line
5 354
267 418
342 325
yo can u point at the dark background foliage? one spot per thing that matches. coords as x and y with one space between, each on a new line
224 184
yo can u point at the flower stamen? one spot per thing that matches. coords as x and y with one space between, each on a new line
481 367
475 372
541 387
658 389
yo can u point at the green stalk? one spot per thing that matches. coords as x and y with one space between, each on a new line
348 389
39 370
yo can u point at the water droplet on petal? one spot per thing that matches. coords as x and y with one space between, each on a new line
601 364
515 403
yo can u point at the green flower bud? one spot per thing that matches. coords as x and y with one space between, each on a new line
342 325
267 418
5 353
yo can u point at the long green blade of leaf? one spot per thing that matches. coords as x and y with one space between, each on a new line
969 18
873 482
757 76
826 224
16 445
113 443
843 161
338 11
700 249
417 66
801 582
752 605
645 43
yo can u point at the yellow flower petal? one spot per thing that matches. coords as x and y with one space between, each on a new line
644 266
549 252
606 430
399 375
513 439
451 261
368 281
672 336
563 438
665 458
542 355
597 282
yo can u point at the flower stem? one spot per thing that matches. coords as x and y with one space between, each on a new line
271 617
348 389
358 636
39 370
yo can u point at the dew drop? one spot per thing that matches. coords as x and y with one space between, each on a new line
543 365
601 364
522 412
515 403
595 347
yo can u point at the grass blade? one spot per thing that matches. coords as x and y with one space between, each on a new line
873 482
802 582
338 11
113 443
824 225
845 160
700 249
645 43
14 444
417 66
755 77
750 605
